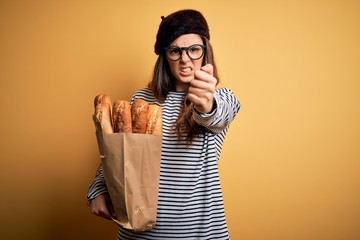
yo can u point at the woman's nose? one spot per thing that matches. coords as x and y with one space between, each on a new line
184 56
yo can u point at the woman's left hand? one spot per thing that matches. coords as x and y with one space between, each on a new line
202 89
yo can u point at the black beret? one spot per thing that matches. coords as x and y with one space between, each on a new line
180 23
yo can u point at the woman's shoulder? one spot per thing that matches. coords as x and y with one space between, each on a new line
145 94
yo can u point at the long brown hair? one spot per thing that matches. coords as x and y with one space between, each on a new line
163 82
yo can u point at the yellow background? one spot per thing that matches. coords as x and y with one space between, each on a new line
290 167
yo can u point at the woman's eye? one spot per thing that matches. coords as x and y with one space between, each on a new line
174 51
194 49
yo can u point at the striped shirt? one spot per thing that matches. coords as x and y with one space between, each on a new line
190 203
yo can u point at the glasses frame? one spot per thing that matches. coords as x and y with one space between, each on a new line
186 49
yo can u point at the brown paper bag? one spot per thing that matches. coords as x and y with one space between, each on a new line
131 168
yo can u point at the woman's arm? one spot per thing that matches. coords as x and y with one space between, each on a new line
212 108
225 108
98 197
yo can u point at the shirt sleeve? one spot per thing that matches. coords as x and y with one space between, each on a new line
224 112
98 186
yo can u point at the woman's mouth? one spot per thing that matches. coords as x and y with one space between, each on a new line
186 70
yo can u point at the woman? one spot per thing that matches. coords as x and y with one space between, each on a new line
196 117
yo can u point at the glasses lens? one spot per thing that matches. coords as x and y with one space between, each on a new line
173 53
195 52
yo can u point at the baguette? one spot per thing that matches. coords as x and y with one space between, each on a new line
139 112
122 117
154 120
101 98
102 103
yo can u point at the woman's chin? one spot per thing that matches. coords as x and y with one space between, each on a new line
186 79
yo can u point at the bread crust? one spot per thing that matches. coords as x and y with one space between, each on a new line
154 120
139 112
122 116
103 114
101 98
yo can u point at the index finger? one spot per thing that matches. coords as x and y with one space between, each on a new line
201 75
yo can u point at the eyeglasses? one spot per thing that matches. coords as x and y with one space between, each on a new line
195 52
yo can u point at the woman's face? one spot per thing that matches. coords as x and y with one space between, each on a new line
183 69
